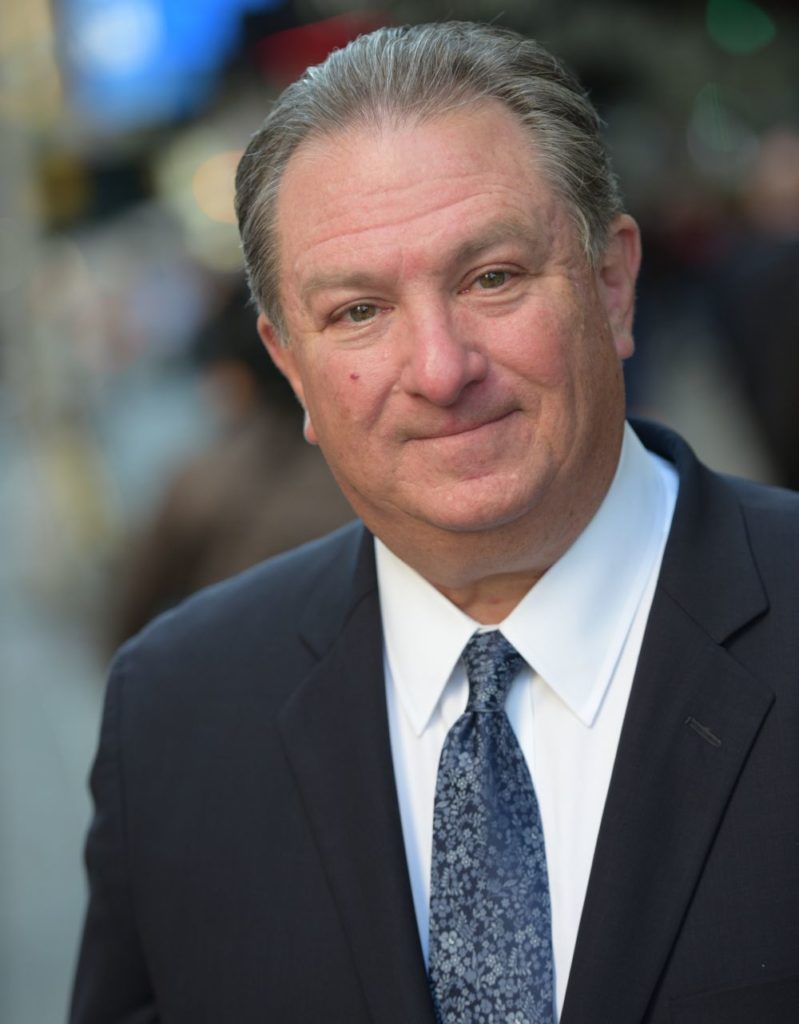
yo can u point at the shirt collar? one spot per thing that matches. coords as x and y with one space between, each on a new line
570 627
424 635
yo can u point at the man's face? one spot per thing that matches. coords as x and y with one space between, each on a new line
458 360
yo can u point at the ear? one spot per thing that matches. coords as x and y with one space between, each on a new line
617 275
285 360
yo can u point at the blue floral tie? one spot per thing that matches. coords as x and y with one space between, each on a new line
490 919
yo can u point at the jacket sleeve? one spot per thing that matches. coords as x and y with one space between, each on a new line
112 983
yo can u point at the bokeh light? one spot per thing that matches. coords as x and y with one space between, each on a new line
739 26
213 185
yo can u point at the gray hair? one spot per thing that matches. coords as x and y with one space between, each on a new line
419 72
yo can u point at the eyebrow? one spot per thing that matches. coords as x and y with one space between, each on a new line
508 229
336 279
504 230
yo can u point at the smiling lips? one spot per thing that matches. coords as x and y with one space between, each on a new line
457 428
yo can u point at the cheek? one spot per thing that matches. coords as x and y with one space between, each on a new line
347 393
539 348
576 346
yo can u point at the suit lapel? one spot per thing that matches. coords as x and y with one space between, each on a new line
335 733
693 715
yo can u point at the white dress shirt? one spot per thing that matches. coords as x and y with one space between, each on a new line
580 629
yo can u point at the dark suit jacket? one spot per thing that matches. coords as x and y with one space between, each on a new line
246 858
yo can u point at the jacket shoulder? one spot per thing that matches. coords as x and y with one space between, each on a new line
771 515
764 500
268 621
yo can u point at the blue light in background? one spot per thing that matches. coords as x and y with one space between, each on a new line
132 62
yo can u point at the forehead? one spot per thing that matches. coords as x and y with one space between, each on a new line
374 192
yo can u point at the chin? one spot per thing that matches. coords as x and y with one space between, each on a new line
483 518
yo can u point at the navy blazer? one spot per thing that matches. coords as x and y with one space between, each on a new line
246 859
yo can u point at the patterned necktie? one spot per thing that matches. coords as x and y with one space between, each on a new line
490 920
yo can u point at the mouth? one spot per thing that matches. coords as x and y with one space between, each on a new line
458 428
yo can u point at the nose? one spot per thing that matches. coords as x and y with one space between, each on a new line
441 361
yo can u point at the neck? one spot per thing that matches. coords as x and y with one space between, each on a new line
489 601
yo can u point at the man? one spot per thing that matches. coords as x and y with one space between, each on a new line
521 744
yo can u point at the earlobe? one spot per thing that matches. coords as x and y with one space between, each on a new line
308 431
617 276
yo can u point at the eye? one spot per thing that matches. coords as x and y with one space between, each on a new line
492 279
361 312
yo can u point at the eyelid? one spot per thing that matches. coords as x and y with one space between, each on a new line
493 268
339 314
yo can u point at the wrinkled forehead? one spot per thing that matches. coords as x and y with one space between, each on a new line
394 159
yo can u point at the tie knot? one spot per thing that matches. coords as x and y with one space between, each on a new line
492 663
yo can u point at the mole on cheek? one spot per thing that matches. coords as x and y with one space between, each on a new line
355 376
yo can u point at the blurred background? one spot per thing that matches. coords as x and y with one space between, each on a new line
146 446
